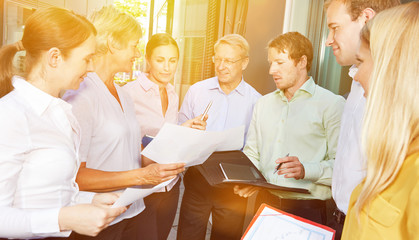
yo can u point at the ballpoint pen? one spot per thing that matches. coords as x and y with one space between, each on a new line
279 165
206 110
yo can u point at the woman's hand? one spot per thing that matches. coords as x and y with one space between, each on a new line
145 161
105 199
156 173
197 123
87 219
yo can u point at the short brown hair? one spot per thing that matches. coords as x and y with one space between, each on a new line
296 44
355 7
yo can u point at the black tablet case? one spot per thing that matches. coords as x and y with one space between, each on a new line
212 172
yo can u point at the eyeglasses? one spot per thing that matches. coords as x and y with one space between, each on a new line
227 62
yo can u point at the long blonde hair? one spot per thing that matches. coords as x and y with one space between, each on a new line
392 116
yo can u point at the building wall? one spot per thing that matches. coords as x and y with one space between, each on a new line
265 20
14 13
1 20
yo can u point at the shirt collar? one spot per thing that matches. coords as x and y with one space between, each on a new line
147 84
352 71
308 87
94 77
36 98
215 84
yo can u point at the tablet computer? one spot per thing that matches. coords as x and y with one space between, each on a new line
238 172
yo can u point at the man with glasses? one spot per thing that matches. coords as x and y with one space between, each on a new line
232 105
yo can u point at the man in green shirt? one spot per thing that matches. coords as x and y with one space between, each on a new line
296 128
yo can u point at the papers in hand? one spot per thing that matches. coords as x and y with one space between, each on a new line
270 223
177 144
132 194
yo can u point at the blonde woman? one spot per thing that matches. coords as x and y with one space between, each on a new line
111 139
40 137
386 204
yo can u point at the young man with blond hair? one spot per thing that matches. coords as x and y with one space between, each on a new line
345 19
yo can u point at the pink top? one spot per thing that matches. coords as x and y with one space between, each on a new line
148 108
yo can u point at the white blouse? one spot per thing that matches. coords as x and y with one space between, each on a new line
110 136
38 162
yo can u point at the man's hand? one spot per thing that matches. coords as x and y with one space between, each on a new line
291 167
245 191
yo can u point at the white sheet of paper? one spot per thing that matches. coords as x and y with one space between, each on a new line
275 225
177 144
132 194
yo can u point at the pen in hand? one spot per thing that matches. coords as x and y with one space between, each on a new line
279 165
206 110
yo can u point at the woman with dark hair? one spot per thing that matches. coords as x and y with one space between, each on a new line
156 103
40 137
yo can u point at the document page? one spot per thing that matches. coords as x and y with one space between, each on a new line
132 194
176 144
273 224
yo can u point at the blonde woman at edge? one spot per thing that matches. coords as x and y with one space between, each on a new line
40 137
386 204
111 142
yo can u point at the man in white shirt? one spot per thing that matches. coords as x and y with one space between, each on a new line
345 19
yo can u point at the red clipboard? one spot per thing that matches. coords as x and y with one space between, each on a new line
251 232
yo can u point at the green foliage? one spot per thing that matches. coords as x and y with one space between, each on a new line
136 8
139 10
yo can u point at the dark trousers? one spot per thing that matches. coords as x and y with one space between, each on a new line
199 200
127 229
159 214
71 237
336 222
314 210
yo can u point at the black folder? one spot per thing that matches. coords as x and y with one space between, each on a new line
235 167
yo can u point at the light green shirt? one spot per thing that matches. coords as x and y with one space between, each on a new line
307 127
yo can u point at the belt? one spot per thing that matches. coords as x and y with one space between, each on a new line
339 216
294 203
